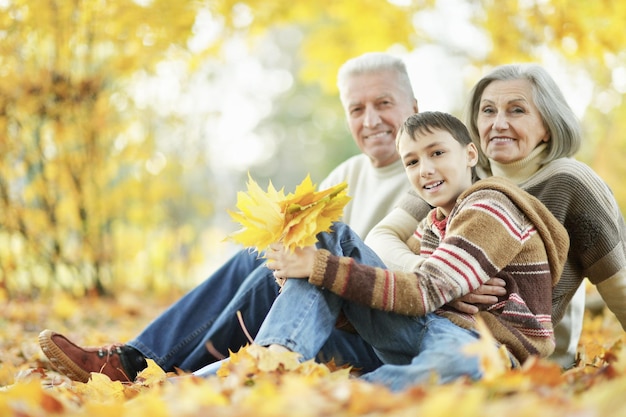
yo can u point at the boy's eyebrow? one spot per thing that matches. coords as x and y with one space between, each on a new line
429 146
435 144
408 154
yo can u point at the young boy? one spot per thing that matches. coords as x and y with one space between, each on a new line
476 231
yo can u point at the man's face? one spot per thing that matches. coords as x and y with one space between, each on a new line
376 106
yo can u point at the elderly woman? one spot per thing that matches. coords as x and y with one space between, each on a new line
527 132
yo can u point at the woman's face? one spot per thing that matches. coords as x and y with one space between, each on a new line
509 123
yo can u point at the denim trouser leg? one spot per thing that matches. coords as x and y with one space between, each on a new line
177 337
342 241
303 316
315 309
439 345
411 347
253 300
341 346
301 319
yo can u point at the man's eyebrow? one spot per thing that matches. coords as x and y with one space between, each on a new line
384 95
387 96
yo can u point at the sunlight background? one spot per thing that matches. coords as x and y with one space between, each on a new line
127 128
240 93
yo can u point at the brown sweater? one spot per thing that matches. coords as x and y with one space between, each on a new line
495 230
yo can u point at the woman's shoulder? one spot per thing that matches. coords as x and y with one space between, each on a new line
569 167
567 179
567 172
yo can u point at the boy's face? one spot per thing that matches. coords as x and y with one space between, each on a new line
438 166
376 106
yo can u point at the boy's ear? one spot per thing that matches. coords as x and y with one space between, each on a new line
472 155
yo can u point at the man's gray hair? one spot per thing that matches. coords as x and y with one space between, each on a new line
374 62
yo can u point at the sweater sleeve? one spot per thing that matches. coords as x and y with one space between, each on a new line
388 239
470 254
372 286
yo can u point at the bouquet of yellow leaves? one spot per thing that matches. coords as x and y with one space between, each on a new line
293 219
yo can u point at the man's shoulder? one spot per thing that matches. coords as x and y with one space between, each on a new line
356 161
347 170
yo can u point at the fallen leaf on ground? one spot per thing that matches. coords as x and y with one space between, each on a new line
272 383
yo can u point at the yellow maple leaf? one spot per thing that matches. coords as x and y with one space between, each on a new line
269 360
294 219
260 215
151 375
100 388
29 393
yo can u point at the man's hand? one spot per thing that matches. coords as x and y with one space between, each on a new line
486 294
286 264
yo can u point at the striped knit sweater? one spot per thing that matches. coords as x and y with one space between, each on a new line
494 230
584 204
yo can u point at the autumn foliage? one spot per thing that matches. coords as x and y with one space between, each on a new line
263 383
88 195
89 203
292 219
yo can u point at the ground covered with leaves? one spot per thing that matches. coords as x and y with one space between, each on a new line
263 383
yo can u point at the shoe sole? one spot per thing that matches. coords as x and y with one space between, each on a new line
59 360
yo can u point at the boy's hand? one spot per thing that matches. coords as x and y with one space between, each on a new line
486 294
285 264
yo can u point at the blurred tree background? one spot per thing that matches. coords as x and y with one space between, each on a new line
127 127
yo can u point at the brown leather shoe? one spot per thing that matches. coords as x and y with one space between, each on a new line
78 363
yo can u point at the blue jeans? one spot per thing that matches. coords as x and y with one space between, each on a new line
412 348
208 313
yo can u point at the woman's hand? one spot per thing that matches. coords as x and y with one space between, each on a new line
286 264
486 294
